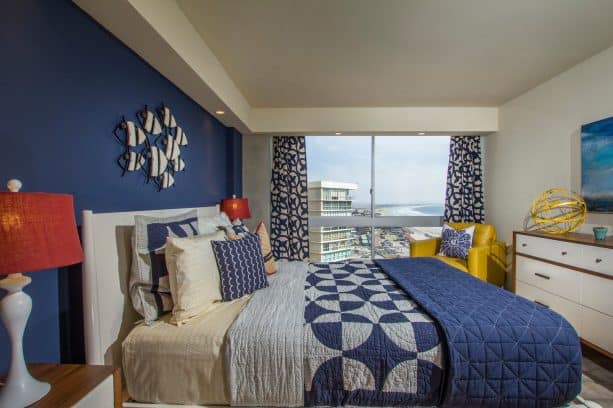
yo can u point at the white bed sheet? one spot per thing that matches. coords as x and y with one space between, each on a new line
165 363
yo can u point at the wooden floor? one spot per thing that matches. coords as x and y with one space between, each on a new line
599 386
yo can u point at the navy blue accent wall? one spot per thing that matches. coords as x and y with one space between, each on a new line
66 82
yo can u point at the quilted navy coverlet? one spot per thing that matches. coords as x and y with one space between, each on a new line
502 350
366 342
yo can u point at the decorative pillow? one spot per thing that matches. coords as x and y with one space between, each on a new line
455 244
193 275
269 262
210 225
149 286
236 230
241 266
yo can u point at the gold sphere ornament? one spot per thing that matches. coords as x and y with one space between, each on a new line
556 211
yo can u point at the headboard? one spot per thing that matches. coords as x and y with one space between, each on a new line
107 309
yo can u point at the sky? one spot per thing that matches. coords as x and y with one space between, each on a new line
408 169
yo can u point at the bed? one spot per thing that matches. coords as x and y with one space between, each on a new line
406 332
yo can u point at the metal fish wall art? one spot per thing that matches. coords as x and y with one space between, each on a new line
152 146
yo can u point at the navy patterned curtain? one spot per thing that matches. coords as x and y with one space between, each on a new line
289 222
464 196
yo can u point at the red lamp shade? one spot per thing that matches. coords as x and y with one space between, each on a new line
236 208
37 231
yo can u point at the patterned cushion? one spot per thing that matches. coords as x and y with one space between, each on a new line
241 266
456 244
193 275
149 285
236 230
269 261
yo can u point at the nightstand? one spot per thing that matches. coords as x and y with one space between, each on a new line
76 385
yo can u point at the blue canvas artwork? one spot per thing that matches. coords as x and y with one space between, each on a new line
597 165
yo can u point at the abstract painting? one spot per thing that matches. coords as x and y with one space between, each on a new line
597 165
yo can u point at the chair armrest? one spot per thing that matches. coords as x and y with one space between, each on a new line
477 261
425 247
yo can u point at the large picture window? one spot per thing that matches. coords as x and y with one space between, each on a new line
370 196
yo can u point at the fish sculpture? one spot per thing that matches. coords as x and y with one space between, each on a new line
134 135
172 148
180 136
178 164
168 119
150 122
166 181
157 162
131 161
152 144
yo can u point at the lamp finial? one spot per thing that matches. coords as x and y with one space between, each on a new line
14 185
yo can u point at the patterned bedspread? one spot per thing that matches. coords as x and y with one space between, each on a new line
366 342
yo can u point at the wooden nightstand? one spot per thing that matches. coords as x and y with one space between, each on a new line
75 385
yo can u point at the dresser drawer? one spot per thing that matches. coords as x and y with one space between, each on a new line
550 249
597 293
597 259
597 328
571 311
554 279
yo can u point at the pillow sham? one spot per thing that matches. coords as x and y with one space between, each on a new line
269 261
149 286
455 244
212 224
193 275
241 266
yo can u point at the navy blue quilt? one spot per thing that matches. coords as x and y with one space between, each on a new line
503 350
366 342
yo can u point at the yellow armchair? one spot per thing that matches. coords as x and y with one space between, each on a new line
486 259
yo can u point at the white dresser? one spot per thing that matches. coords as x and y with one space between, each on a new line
573 275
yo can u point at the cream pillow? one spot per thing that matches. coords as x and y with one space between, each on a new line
193 274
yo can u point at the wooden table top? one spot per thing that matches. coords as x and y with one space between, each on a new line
69 382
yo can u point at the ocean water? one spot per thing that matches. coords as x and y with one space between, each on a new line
411 210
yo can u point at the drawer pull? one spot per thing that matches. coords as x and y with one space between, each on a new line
564 253
542 304
540 275
598 260
524 245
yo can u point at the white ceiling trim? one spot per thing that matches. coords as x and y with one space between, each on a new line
159 32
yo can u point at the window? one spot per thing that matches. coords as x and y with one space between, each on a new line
369 196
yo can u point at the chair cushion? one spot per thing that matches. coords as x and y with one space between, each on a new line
455 262
484 234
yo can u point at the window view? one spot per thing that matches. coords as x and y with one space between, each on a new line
409 181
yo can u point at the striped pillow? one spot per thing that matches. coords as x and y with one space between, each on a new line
241 266
269 261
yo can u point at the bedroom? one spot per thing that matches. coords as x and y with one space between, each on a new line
524 77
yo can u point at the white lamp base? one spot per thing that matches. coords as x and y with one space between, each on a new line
21 389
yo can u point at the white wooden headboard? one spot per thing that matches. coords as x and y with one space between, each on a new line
107 308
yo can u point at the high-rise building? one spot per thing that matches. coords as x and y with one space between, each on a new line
330 198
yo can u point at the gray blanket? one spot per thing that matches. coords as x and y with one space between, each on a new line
264 353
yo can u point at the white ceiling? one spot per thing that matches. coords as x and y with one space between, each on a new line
368 53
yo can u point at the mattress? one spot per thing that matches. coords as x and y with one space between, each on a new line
165 363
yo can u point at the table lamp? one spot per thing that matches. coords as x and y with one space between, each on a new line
235 208
37 232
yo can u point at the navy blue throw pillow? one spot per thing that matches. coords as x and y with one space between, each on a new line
241 266
456 244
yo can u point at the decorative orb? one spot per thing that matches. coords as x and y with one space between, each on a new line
14 185
556 211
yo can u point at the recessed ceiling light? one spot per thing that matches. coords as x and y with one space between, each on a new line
421 133
338 133
220 112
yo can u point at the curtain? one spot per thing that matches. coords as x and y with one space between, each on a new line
464 195
289 222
